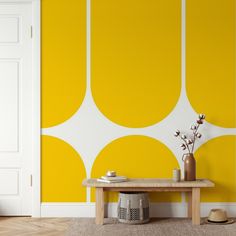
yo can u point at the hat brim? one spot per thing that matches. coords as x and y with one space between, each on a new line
229 221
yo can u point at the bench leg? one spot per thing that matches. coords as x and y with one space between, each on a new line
99 206
190 204
196 206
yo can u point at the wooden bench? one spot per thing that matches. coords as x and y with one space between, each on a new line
151 185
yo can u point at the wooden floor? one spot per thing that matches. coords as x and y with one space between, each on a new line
27 226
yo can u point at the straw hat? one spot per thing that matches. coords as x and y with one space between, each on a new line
218 216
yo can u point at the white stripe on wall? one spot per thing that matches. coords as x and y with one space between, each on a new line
183 46
88 66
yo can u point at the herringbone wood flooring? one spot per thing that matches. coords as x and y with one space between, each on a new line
27 226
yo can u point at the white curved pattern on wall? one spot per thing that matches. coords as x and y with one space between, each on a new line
88 131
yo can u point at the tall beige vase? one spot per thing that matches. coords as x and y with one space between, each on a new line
189 167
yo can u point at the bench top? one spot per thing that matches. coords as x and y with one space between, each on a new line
150 183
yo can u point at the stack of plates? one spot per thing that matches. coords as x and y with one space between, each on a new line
116 179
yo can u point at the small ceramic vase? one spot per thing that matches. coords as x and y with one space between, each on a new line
176 175
189 167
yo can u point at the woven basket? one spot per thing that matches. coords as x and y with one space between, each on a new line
133 207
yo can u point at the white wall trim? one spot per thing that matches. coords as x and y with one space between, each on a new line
36 75
156 209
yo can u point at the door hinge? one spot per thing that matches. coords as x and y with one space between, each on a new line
31 31
31 180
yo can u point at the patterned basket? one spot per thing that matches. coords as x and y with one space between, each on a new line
133 207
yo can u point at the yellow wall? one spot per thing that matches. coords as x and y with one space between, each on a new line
211 59
63 90
137 157
135 83
63 59
134 44
62 170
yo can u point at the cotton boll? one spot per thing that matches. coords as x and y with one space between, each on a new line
202 116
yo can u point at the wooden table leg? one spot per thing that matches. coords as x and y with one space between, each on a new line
190 204
196 206
99 206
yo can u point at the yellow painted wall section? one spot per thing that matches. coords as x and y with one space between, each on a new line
137 156
135 62
62 172
216 161
63 59
136 82
211 59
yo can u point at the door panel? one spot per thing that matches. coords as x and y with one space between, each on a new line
15 109
12 186
9 91
9 29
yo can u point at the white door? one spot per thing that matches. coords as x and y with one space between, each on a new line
15 109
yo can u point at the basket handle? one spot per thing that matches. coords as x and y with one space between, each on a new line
128 209
118 209
141 209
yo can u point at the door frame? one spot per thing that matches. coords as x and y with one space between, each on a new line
36 96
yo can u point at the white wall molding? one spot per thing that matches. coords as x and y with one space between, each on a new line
68 209
156 209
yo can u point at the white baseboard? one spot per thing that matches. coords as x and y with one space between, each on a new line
156 209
